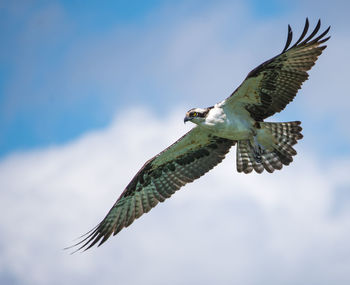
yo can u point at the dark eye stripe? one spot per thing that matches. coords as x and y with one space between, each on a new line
197 114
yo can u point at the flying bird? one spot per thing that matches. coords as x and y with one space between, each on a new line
239 119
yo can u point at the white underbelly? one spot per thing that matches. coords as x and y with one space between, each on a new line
235 131
229 124
233 128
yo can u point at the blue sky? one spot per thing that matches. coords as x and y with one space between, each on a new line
42 103
34 111
90 90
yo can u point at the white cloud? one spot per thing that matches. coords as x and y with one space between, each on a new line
291 227
225 227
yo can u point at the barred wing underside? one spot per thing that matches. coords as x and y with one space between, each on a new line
187 159
269 87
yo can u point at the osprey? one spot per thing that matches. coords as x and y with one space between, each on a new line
239 119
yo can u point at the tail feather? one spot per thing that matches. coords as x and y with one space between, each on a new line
272 161
271 149
245 158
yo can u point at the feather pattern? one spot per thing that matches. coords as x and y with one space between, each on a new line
269 87
284 136
186 160
266 90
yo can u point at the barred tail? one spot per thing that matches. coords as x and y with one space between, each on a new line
270 148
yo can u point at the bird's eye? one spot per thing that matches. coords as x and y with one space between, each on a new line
194 114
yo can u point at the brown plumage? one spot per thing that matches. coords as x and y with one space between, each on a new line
267 89
278 79
285 135
158 179
261 145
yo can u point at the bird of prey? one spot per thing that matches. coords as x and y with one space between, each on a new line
239 119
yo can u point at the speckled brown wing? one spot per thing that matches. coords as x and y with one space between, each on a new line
187 159
272 85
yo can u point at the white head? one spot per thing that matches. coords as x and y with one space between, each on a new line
197 115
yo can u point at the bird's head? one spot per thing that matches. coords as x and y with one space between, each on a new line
196 115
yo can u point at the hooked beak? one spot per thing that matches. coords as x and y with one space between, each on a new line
186 119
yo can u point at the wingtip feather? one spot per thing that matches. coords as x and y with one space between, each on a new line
289 38
309 40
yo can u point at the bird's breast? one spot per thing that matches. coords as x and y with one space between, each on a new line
230 125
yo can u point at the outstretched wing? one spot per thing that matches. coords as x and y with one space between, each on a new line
187 159
272 85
